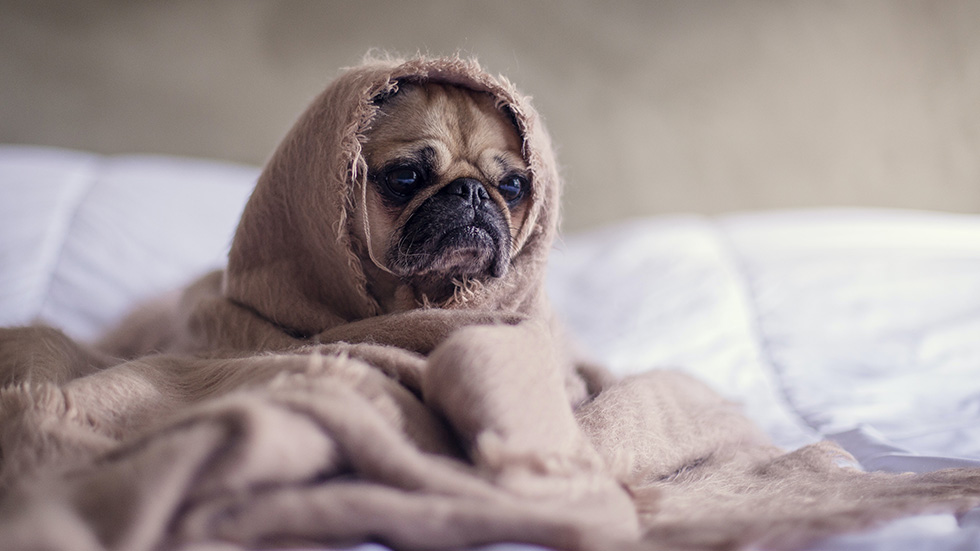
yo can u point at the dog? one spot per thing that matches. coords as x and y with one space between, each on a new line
448 188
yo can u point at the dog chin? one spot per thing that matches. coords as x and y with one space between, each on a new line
470 251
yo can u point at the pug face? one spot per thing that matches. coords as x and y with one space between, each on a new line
448 186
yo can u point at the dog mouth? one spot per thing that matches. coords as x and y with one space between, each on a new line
429 250
467 237
467 250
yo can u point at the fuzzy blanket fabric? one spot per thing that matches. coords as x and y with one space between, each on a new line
276 403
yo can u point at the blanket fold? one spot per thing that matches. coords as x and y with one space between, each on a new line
277 402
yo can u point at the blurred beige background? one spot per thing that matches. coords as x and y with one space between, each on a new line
655 106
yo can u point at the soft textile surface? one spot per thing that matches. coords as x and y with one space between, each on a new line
827 319
860 325
85 237
699 313
338 442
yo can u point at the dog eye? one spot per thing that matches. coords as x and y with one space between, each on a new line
512 188
403 182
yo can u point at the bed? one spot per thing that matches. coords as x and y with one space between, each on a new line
857 325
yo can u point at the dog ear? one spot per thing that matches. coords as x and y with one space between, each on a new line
389 92
379 99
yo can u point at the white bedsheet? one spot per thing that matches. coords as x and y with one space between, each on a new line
858 325
862 326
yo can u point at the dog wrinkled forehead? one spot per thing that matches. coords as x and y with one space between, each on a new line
393 88
437 109
435 123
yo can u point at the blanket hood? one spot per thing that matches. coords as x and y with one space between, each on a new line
297 260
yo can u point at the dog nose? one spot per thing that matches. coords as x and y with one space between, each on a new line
470 189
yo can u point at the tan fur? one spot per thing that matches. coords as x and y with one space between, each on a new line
470 135
282 400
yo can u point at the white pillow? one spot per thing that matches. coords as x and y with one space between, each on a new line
84 237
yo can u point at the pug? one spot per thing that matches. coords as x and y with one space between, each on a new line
448 189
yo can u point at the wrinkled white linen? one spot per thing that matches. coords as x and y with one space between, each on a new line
84 237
